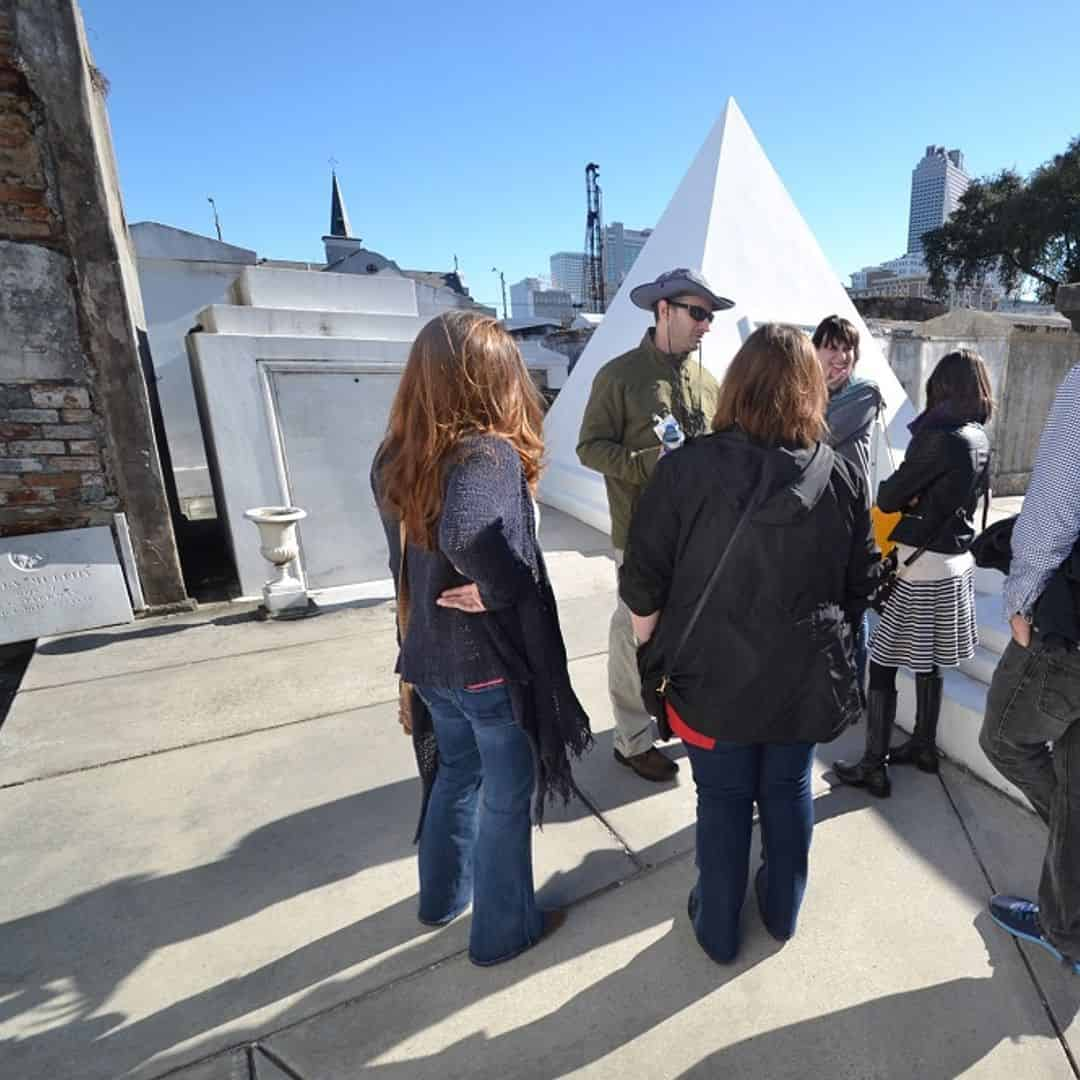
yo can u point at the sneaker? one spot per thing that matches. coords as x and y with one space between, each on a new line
1020 918
650 765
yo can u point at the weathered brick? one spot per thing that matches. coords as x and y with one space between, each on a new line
18 431
10 80
36 447
60 481
60 397
68 431
31 519
92 493
31 497
30 416
14 396
16 228
22 465
21 194
83 446
76 416
75 464
22 161
9 483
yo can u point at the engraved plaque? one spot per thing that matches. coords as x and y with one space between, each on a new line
54 583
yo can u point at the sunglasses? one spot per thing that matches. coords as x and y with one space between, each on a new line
698 314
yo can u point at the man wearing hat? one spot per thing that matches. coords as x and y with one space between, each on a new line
642 402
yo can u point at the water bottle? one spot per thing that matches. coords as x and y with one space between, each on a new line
672 437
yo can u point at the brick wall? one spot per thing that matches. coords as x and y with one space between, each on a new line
53 471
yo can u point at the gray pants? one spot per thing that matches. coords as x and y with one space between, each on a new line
634 727
1032 735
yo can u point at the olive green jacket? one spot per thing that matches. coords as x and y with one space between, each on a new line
617 436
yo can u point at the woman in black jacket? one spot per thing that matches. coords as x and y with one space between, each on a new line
929 621
767 670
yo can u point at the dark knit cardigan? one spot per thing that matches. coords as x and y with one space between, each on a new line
487 535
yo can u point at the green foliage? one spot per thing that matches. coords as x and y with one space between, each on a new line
1015 227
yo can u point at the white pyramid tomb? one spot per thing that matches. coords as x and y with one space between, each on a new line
732 219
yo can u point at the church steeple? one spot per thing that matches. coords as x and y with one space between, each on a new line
339 218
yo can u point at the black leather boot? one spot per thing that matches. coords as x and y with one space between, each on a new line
872 772
921 749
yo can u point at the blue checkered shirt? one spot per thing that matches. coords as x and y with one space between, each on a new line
1050 522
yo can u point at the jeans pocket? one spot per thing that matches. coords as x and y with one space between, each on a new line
1059 695
488 707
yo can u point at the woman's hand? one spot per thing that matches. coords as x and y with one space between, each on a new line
463 598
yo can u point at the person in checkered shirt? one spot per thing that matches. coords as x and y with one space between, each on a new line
1031 731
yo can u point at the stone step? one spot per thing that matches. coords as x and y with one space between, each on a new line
988 582
981 666
994 633
962 708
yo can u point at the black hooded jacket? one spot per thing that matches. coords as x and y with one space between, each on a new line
771 657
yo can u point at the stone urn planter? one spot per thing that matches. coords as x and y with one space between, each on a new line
283 595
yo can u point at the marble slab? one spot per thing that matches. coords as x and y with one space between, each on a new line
57 582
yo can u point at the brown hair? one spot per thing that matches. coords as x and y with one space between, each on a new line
464 376
774 389
961 383
834 330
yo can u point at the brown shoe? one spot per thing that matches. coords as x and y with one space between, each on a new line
650 764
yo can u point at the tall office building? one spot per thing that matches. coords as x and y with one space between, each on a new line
530 298
568 272
621 247
937 183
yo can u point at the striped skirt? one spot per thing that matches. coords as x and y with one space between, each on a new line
930 620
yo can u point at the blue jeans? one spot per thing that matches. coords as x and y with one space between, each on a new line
476 841
730 779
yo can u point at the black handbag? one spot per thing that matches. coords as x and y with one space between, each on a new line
992 548
652 667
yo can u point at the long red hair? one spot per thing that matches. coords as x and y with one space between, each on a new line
464 376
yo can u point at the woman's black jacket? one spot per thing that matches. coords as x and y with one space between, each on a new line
946 470
770 659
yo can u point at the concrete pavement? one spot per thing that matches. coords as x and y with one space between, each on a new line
208 874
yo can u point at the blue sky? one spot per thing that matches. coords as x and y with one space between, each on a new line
464 128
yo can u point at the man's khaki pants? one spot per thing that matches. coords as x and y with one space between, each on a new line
634 727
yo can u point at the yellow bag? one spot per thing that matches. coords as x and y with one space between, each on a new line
883 526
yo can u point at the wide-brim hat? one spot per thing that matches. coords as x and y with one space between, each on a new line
678 282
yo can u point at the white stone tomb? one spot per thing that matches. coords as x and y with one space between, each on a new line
732 219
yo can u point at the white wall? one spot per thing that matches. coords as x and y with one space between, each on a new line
174 292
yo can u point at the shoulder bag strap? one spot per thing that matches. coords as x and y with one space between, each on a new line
984 484
756 500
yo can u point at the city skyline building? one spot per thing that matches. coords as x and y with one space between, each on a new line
937 182
568 272
622 246
533 298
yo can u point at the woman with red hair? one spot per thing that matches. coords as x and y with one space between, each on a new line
494 717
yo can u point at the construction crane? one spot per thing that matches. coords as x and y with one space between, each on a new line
594 242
